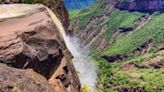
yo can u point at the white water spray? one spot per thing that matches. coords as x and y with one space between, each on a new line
82 62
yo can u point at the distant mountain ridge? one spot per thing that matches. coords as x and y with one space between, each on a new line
78 4
142 5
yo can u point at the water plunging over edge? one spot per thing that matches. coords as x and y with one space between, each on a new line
82 61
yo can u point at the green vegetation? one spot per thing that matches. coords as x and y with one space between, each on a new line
150 79
84 12
142 58
86 89
123 18
112 76
151 30
74 13
119 19
85 15
29 1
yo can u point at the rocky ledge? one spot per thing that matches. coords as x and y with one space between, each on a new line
20 80
29 39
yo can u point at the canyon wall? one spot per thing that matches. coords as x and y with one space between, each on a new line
91 32
92 29
142 5
131 43
33 50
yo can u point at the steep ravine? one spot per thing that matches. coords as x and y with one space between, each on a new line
126 39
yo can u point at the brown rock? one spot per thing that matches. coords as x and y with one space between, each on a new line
57 6
63 78
30 39
155 62
137 89
19 80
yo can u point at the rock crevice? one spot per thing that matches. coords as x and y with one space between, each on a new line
33 41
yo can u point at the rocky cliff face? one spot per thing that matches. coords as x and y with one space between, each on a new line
91 32
31 40
57 6
21 80
142 5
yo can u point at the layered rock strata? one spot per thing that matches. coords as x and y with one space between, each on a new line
30 39
142 5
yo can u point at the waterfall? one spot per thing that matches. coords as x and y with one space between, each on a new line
82 62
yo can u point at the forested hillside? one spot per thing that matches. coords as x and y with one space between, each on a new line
128 43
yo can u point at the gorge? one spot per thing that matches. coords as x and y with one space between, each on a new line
84 64
39 45
125 37
81 46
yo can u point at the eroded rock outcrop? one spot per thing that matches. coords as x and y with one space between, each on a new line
142 5
19 80
90 33
57 6
31 39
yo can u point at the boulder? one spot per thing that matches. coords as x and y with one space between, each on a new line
20 80
30 39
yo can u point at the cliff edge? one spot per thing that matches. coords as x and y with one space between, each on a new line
31 40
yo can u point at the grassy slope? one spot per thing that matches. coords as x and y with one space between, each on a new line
152 30
85 15
111 76
118 19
